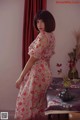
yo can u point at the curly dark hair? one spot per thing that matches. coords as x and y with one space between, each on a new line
47 18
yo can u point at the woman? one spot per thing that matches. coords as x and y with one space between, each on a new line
36 75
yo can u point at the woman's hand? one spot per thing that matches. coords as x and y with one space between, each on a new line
18 82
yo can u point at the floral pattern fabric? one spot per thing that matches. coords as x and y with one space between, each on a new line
31 100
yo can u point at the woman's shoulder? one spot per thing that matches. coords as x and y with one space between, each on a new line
45 36
41 35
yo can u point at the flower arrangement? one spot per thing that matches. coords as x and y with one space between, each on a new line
77 38
73 60
73 73
74 57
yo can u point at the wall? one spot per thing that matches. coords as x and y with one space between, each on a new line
67 20
11 25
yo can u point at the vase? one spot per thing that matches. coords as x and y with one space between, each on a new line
73 73
65 95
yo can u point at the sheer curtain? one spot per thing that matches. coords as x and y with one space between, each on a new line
29 33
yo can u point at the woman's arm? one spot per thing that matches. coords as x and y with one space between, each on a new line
27 67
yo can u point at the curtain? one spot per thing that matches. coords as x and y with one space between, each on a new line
31 7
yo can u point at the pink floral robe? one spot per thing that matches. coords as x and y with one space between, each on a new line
31 100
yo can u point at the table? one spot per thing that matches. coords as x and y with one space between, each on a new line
55 105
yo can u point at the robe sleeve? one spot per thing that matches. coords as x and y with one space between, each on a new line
38 47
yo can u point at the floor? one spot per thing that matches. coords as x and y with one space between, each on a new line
74 116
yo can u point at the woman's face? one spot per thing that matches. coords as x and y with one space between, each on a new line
40 25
